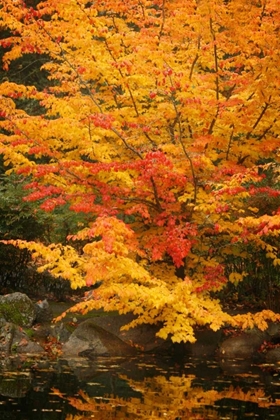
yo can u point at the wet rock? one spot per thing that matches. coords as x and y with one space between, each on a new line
90 340
14 340
142 337
206 344
60 332
242 346
41 332
273 356
273 330
18 309
7 331
22 344
43 312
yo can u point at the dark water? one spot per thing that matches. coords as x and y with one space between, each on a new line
143 387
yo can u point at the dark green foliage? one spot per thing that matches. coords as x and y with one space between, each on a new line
21 219
26 70
261 287
18 217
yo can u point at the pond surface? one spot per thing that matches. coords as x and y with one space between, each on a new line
143 387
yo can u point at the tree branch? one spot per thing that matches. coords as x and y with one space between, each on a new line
263 111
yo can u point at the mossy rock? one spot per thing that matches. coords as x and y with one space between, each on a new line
18 309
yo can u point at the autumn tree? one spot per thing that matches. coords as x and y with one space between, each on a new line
159 121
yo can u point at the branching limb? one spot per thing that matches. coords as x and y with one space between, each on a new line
195 58
263 111
180 139
215 51
229 143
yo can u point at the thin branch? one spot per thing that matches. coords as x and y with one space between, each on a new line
213 122
267 130
126 143
229 143
263 111
132 100
180 138
192 66
215 59
122 76
130 93
163 20
143 9
195 58
142 201
190 130
159 208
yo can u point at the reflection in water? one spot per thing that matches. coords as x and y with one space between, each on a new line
139 388
170 398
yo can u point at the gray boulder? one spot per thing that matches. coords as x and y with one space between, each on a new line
43 311
273 356
22 344
14 340
60 332
7 330
18 309
90 340
207 342
242 346
142 337
273 330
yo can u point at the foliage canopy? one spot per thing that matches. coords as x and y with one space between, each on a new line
160 121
